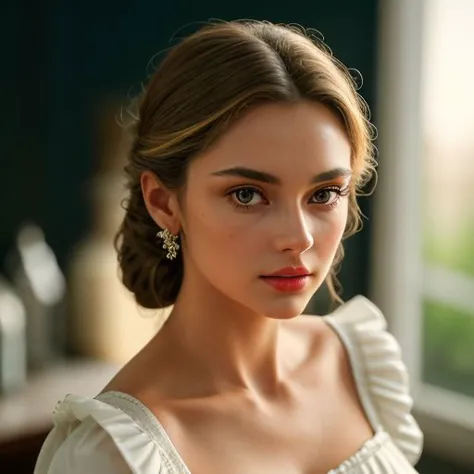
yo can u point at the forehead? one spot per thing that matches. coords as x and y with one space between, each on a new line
288 140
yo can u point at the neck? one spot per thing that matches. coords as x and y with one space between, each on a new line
223 345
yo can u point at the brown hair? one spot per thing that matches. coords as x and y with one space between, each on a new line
196 93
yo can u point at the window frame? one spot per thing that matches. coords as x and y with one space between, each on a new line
396 283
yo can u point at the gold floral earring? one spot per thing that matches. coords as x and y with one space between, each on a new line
170 243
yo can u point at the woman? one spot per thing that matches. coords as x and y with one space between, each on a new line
251 144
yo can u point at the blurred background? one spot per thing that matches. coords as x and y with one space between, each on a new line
68 68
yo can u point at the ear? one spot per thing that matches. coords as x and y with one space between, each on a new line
161 203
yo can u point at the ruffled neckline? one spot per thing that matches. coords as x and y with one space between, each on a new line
381 380
381 376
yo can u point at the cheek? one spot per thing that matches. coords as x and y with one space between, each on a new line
215 233
331 230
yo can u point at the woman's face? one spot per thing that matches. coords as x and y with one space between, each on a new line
271 194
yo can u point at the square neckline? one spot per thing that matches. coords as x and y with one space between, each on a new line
151 424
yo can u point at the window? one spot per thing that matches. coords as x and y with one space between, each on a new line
423 265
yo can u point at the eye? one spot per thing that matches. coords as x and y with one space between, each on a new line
246 197
328 196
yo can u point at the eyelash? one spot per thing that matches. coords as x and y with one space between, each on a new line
340 191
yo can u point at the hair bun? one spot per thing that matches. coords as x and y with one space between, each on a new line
152 278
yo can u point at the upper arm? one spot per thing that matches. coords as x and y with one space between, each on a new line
88 449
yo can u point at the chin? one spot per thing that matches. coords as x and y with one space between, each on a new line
286 309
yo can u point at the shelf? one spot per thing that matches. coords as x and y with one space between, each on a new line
29 411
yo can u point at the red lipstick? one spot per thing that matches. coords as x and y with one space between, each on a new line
288 279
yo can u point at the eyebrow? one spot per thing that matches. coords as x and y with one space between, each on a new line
256 175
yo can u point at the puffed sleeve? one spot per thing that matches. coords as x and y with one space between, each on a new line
92 437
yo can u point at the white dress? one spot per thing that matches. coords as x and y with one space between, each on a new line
115 433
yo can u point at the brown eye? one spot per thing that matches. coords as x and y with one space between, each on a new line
324 196
327 196
246 196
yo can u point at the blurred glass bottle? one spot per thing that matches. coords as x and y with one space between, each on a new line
41 285
13 366
106 322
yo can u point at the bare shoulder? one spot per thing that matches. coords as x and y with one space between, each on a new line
156 376
316 333
138 375
324 347
129 379
328 356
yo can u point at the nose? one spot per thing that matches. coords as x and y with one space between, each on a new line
293 232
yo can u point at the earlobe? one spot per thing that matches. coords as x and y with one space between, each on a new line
159 202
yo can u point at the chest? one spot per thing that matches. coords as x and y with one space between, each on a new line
306 439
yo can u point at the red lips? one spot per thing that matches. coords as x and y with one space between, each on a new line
290 272
289 279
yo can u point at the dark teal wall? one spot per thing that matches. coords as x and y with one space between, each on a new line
61 58
64 57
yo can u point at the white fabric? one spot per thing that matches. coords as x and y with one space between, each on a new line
116 434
